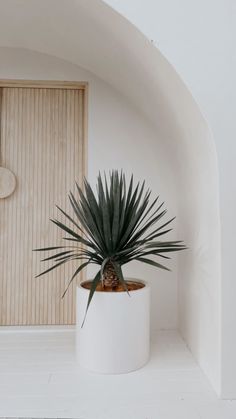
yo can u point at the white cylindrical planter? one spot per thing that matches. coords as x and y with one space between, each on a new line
115 337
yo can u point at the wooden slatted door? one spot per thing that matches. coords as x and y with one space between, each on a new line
42 143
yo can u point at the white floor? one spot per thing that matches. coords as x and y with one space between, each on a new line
39 378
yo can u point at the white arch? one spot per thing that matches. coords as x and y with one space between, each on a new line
92 35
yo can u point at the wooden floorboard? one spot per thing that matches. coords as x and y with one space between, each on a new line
39 378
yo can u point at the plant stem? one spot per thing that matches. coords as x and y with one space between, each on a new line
110 278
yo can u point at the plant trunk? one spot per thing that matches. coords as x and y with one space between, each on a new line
110 278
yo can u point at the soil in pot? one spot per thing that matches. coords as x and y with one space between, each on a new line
131 285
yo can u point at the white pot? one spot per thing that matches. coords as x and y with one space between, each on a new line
115 337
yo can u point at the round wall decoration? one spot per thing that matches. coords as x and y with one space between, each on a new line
7 182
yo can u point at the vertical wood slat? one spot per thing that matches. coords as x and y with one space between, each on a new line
42 142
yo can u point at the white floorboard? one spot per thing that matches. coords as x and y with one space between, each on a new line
39 378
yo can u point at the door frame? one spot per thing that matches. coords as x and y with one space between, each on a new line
57 84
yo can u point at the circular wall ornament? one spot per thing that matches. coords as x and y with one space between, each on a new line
7 182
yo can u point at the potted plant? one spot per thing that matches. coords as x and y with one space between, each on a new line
117 225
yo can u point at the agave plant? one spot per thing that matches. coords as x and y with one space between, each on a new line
117 225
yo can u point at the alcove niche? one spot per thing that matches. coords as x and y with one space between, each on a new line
141 118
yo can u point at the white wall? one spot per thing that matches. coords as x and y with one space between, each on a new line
199 38
92 35
119 137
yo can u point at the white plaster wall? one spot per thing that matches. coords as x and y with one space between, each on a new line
94 36
199 38
119 137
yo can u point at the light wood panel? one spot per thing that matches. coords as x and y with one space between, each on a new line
43 143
